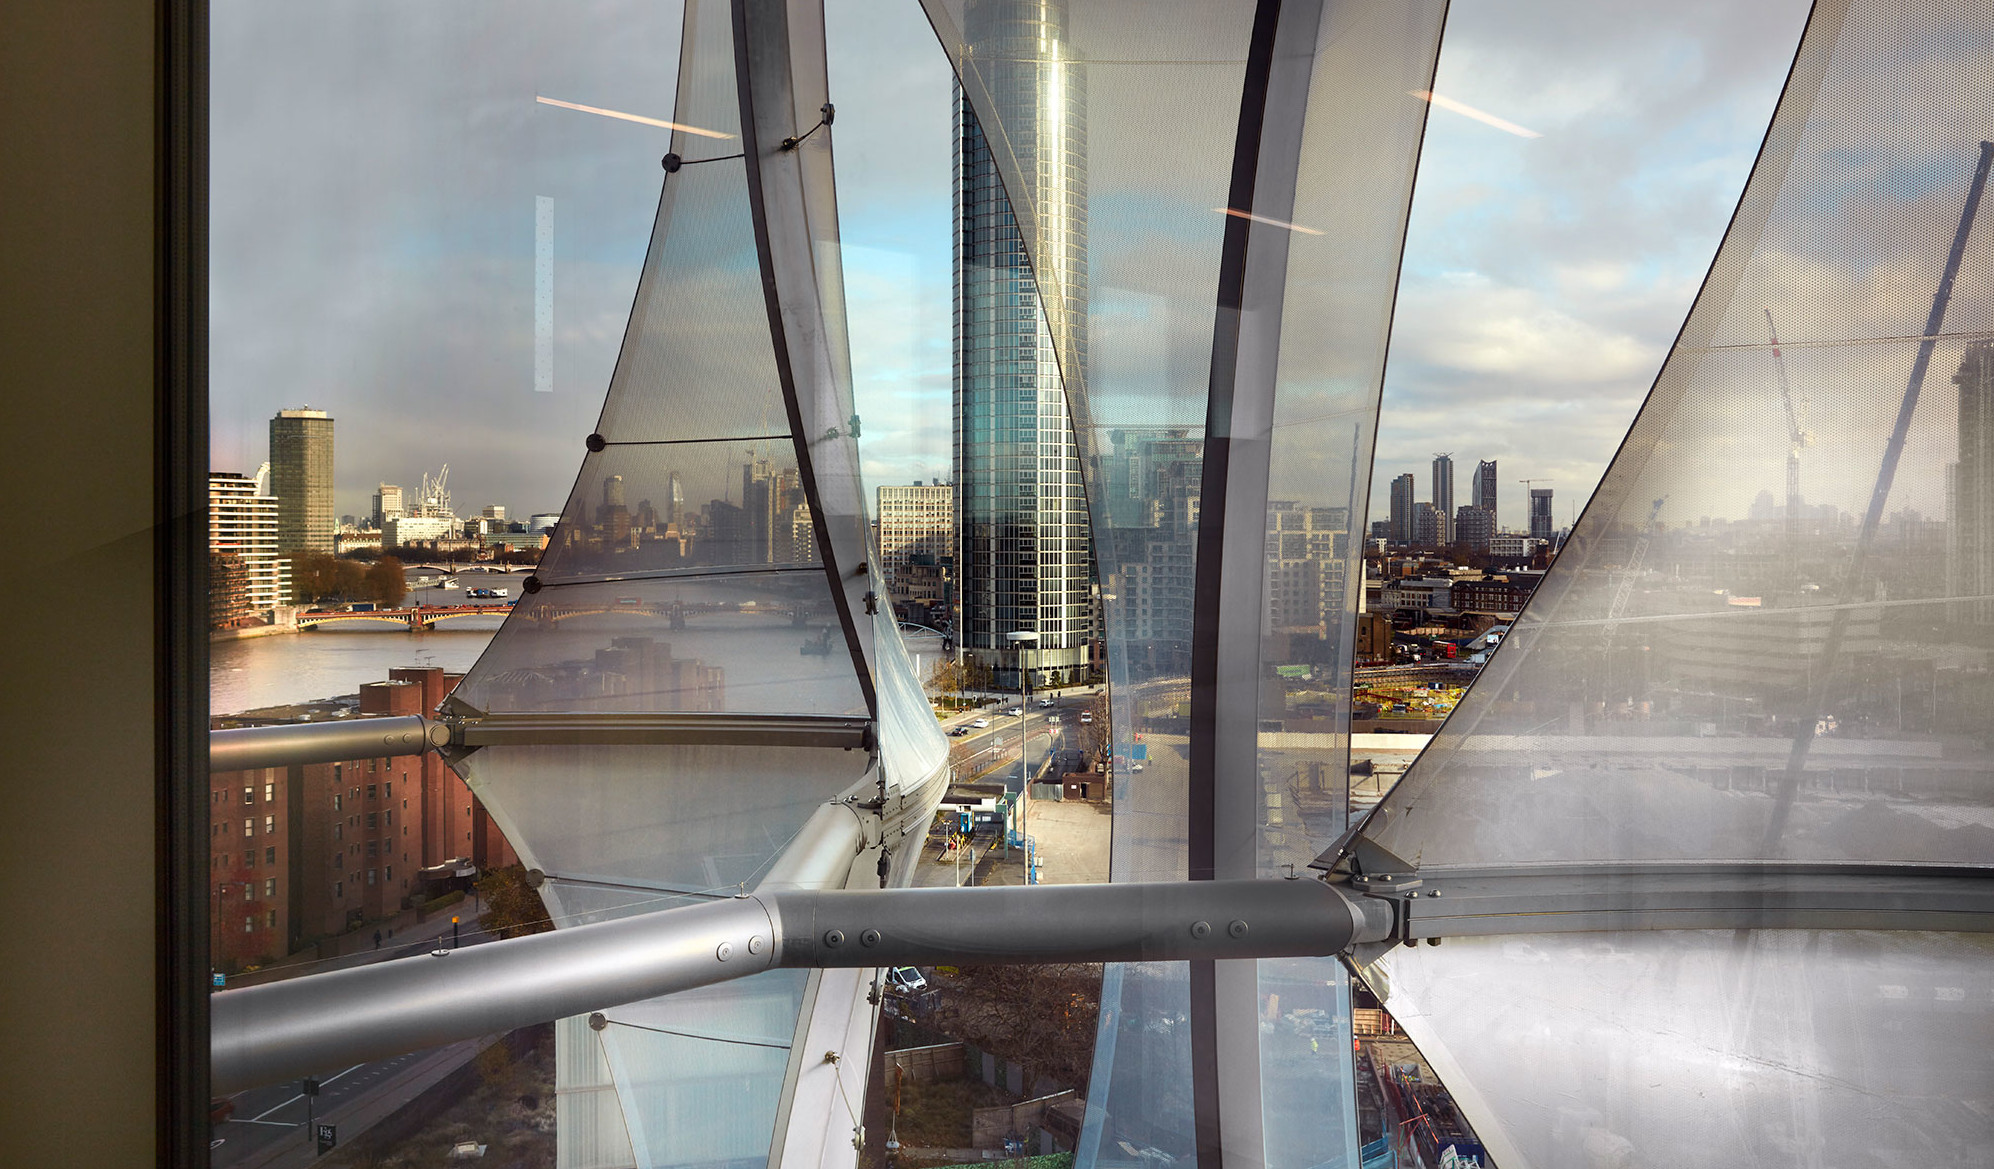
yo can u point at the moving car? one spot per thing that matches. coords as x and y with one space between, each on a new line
980 723
482 593
1086 716
906 980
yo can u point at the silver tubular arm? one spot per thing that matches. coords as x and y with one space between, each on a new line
1032 924
248 748
280 1030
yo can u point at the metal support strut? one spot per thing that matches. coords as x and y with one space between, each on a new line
279 1030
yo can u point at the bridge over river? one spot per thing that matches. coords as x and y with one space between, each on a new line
417 618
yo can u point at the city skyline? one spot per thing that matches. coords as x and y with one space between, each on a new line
1497 301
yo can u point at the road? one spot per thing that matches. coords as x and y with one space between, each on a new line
1003 730
268 1129
267 1126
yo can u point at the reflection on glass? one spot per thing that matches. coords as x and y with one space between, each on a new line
1129 278
1763 643
1764 640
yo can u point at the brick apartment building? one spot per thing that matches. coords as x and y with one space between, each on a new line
304 852
1499 594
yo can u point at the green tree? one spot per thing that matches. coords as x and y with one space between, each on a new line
512 908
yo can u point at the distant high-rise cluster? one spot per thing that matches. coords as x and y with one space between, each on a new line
762 518
387 504
1471 527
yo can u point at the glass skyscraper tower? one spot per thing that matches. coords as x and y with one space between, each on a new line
1021 511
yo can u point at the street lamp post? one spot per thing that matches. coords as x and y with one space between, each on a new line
1022 638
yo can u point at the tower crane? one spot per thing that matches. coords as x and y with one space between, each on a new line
435 497
1797 438
1636 556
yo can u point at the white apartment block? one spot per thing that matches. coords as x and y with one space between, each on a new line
243 523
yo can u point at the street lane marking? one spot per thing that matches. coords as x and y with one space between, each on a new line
293 1100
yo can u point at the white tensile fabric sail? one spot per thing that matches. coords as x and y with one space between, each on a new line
1116 130
687 586
1766 643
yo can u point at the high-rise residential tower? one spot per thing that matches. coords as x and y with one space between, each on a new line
301 479
1443 497
1022 533
1401 514
1484 489
1542 526
1970 491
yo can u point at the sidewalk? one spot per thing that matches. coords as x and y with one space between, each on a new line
408 942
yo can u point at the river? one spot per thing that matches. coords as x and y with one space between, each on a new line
256 672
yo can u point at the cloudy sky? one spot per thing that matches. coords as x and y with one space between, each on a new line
376 168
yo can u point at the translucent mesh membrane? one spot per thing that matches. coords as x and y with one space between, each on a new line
1766 640
1353 185
763 642
1074 101
688 1078
1738 656
696 361
654 820
679 506
687 577
695 495
1776 1047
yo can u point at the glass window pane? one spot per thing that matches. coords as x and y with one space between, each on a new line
1762 640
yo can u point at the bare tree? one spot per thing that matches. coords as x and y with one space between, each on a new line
1040 1017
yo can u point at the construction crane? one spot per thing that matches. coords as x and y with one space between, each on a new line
1797 437
1636 556
434 499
